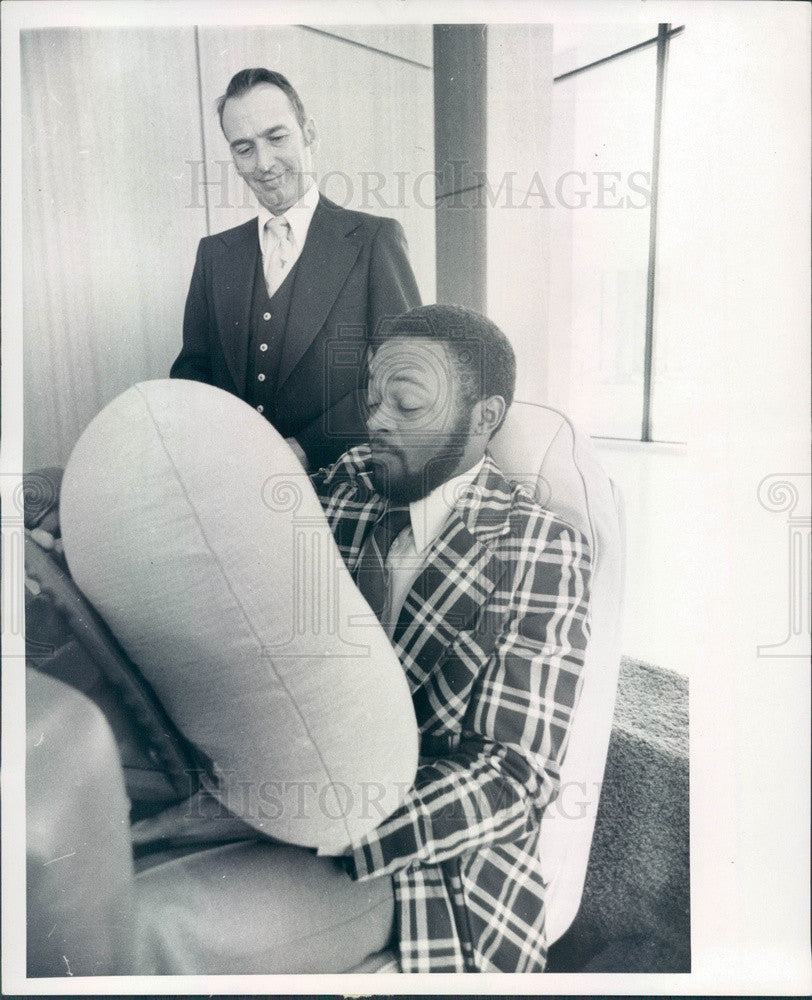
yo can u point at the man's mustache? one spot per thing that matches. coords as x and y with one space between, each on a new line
379 444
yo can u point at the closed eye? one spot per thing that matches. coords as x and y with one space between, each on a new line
408 399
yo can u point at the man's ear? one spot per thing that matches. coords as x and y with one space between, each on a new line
489 414
309 132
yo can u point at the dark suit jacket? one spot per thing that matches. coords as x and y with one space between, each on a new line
353 271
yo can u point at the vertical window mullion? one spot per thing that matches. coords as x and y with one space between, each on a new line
648 359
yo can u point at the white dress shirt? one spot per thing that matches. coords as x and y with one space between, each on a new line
299 217
407 554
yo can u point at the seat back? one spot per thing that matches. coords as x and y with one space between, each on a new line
540 448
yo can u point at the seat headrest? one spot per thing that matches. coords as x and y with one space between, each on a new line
542 450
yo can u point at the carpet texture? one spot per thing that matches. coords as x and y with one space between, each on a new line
635 911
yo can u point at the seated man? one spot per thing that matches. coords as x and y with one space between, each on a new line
485 597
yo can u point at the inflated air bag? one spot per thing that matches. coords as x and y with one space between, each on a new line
191 527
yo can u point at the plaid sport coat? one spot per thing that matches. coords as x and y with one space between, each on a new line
492 638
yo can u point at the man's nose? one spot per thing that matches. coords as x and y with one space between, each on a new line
378 419
266 157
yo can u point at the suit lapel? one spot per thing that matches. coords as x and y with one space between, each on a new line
323 266
233 289
460 573
457 579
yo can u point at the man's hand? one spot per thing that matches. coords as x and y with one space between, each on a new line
296 448
46 540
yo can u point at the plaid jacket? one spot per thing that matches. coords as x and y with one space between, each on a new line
492 638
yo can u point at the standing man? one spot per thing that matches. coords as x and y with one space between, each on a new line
280 308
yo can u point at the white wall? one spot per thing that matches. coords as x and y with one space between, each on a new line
108 234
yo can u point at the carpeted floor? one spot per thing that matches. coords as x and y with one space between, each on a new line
635 911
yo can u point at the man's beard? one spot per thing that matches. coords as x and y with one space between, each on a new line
441 467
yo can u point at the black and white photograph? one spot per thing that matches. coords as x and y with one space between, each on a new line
405 481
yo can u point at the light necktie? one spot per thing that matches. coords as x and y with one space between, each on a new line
278 253
371 574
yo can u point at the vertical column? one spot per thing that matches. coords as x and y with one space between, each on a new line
493 107
459 156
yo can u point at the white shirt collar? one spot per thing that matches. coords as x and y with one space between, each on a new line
429 515
299 216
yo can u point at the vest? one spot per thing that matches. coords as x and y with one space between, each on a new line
266 340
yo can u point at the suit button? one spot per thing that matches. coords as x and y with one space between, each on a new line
266 315
260 408
263 347
261 377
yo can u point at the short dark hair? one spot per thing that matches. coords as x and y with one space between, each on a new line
247 79
482 354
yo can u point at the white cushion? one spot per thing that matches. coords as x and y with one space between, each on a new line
189 524
539 447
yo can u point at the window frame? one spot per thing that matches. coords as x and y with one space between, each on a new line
662 39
